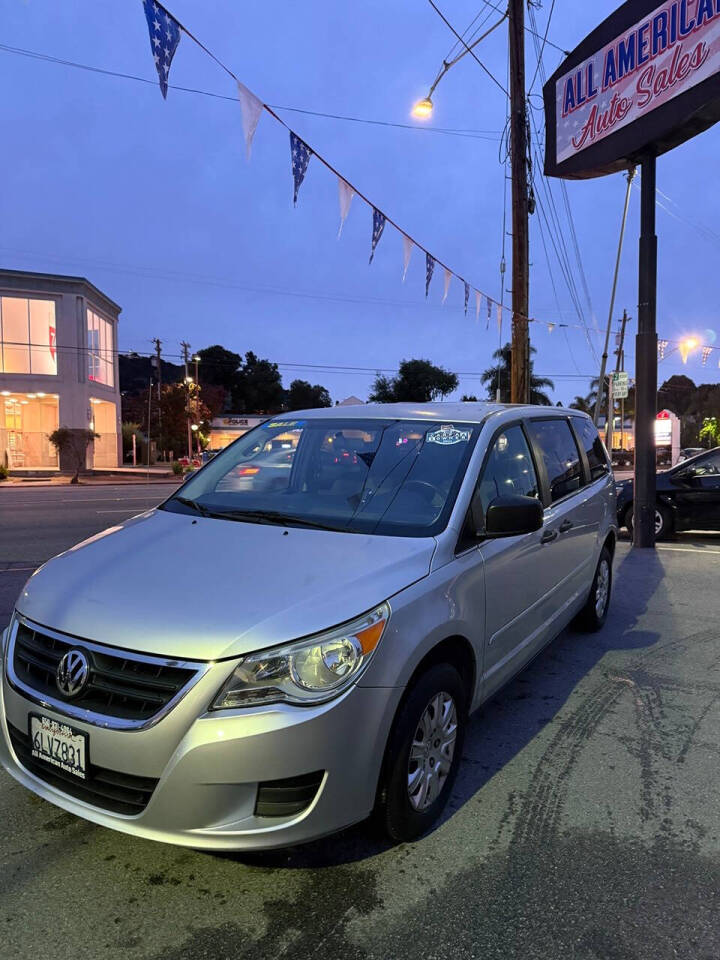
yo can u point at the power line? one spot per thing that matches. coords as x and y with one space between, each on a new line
534 33
542 48
490 135
472 53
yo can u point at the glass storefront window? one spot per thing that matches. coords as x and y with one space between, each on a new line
27 336
101 366
26 422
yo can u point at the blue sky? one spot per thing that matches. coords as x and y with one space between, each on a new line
154 202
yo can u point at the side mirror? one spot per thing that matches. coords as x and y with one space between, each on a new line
511 516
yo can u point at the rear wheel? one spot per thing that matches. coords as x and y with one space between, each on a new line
663 522
423 754
594 614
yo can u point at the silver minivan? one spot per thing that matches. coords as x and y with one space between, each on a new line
296 638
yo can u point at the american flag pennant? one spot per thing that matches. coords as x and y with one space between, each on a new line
378 227
429 267
489 311
478 304
251 108
446 287
467 295
407 253
164 38
300 154
706 354
345 195
662 347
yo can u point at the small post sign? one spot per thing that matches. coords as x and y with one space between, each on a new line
620 385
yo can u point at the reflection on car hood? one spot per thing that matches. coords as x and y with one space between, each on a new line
197 588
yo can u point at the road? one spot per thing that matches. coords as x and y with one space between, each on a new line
584 823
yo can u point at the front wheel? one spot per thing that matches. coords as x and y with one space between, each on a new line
663 522
423 754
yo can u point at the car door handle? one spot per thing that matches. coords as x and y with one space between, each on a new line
549 536
565 526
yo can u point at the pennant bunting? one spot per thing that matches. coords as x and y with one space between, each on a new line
300 154
164 38
429 267
467 295
345 195
684 350
489 312
478 304
499 318
407 253
250 109
706 354
551 327
446 287
662 347
378 227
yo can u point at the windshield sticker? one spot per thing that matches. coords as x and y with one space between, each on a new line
285 424
448 434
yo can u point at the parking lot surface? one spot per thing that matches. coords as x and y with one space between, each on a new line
584 823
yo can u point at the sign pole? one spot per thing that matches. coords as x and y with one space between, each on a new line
646 365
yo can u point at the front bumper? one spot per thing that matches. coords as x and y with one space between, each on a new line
209 765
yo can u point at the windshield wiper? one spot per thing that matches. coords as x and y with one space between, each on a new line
273 517
199 507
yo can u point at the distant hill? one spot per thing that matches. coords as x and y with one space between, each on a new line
135 372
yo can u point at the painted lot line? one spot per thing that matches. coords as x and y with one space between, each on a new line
661 546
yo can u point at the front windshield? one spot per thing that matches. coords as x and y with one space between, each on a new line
361 476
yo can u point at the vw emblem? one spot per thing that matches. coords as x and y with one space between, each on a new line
72 674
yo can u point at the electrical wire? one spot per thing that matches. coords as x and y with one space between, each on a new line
542 48
472 53
529 30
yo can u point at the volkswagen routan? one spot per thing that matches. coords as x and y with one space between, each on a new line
295 639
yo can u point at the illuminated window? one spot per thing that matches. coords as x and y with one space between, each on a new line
27 336
101 368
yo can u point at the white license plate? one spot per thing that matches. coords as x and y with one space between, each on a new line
58 744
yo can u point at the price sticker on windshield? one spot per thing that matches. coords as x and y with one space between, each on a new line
447 435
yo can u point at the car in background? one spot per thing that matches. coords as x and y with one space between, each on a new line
688 497
688 452
622 458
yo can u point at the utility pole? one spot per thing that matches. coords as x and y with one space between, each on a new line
185 347
646 364
520 362
620 365
158 369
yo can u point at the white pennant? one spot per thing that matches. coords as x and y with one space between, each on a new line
448 278
478 304
551 327
407 253
346 193
499 317
250 108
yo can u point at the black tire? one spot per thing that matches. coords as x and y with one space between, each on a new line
594 614
398 816
663 522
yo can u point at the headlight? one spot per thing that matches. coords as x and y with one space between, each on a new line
308 671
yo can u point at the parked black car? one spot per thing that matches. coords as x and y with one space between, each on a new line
688 497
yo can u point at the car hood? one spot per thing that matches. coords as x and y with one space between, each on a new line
201 588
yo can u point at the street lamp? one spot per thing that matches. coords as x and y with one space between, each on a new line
423 109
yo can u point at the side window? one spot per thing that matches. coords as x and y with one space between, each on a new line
707 466
561 456
509 469
593 446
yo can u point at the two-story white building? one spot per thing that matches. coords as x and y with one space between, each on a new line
58 367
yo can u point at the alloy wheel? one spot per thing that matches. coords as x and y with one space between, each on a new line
432 751
602 588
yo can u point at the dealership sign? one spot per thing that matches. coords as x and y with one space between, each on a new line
648 78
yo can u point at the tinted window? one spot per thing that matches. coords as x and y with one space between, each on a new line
560 455
509 469
706 466
593 446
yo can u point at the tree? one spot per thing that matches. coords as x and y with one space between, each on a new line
219 367
71 445
418 381
303 395
709 434
500 374
584 404
259 387
468 398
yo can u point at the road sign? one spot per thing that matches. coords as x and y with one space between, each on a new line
620 385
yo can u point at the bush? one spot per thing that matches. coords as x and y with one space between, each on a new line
4 472
177 468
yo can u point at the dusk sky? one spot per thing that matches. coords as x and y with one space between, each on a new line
153 201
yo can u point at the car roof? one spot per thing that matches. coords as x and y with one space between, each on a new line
452 411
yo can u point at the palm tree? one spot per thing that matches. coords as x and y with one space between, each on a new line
500 374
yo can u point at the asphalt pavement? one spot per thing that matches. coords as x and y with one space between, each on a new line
584 823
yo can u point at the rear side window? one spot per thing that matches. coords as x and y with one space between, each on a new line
509 470
560 455
593 447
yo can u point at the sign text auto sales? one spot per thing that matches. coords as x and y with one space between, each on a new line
665 54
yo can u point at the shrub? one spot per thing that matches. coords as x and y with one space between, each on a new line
4 472
177 468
